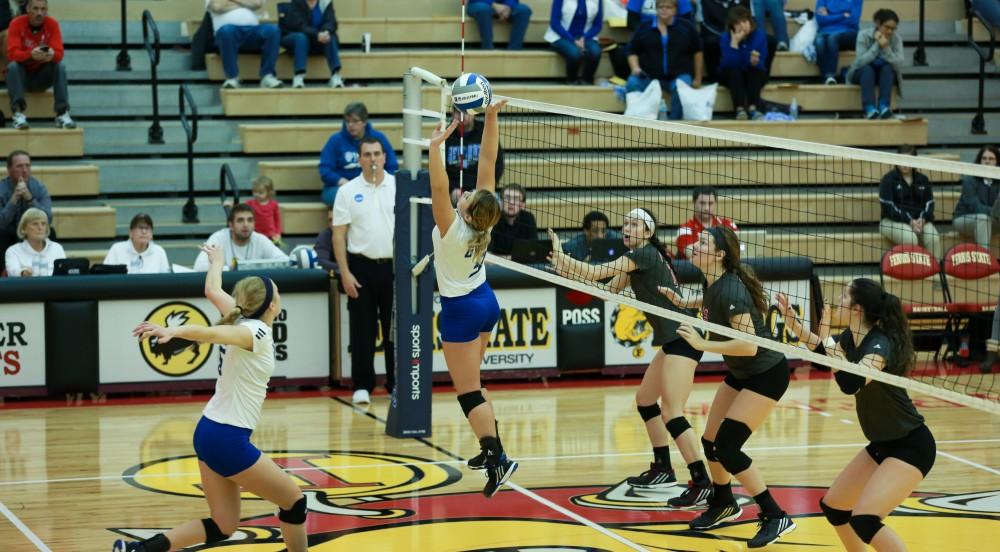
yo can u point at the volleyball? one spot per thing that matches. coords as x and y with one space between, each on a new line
305 256
471 93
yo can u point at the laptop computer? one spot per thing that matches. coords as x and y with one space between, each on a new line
531 251
752 243
606 249
70 267
101 268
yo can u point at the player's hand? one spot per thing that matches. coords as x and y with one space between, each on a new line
692 336
785 307
556 242
494 108
350 283
824 322
440 135
673 295
147 330
213 252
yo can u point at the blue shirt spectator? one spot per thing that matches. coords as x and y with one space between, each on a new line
339 161
572 32
740 57
644 11
831 18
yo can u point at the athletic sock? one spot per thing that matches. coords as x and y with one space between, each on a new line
767 504
159 543
723 494
661 456
492 447
698 474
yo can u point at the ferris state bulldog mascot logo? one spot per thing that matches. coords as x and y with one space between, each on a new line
630 328
177 357
391 502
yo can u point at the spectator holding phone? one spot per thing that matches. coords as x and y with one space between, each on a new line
35 51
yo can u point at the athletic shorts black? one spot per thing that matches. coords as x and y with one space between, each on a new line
680 347
917 449
772 383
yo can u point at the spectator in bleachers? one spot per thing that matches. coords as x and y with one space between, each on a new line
742 68
238 29
138 252
878 60
683 59
976 210
516 223
644 11
573 29
266 211
323 246
990 10
704 200
595 227
239 241
35 51
469 170
714 18
838 22
773 11
36 254
339 160
485 11
907 201
310 27
19 191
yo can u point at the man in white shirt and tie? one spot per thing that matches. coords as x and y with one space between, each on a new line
363 225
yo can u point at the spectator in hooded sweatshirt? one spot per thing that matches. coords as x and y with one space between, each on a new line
339 162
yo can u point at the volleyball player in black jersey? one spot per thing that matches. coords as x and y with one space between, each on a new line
756 380
670 375
902 449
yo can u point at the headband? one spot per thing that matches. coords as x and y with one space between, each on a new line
268 297
720 241
641 214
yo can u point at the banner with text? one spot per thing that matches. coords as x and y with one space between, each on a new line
22 345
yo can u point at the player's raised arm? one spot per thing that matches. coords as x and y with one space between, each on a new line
488 148
444 213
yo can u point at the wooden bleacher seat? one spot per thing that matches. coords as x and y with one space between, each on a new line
39 104
908 10
310 138
43 142
305 218
66 180
96 222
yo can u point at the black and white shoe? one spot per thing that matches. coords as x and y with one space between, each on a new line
695 496
497 474
770 529
477 462
121 545
654 478
715 516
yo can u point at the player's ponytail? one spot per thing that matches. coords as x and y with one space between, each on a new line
484 213
249 294
731 261
884 311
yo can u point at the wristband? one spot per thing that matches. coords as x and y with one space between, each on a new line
829 344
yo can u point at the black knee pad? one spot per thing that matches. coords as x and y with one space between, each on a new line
296 515
212 532
471 400
648 412
834 516
709 448
729 444
866 526
678 425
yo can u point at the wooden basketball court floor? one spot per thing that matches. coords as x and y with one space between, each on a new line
76 478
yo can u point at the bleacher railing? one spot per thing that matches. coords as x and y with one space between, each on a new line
985 54
190 125
152 46
919 55
227 183
124 61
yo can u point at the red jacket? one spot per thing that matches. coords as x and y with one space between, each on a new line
22 39
687 233
267 218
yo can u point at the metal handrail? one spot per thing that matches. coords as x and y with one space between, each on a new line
190 126
227 181
979 122
124 61
920 55
153 50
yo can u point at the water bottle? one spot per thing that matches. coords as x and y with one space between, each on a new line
793 111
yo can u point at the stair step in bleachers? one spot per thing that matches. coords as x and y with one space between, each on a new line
310 138
84 222
66 180
43 142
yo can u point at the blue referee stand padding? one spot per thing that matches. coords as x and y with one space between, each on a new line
410 408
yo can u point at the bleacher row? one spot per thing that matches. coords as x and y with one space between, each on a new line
281 131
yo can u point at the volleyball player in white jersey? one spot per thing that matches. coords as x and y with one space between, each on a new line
469 308
226 458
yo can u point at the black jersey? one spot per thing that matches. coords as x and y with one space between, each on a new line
652 271
885 411
726 298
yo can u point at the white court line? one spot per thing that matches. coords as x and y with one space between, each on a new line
462 462
574 516
23 528
969 462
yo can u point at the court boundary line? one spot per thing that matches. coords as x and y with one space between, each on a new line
27 532
779 448
958 458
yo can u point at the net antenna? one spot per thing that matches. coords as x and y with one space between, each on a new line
807 199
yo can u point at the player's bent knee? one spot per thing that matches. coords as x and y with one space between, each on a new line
677 426
471 400
648 412
709 448
835 516
729 444
213 533
866 526
296 515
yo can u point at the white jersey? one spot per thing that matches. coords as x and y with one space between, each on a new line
242 385
458 273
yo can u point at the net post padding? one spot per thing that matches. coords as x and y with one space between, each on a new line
804 353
